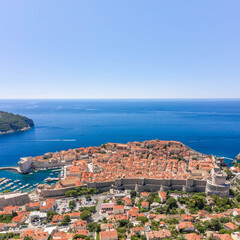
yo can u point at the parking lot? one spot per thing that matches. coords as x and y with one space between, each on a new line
63 204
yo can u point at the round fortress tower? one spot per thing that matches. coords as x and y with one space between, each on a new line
217 184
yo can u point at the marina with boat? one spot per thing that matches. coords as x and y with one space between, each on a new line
8 184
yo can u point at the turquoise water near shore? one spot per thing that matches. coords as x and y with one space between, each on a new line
208 126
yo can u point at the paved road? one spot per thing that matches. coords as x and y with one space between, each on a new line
234 178
96 215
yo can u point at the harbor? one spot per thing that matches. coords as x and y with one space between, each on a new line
17 183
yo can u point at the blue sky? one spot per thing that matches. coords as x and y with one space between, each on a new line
119 49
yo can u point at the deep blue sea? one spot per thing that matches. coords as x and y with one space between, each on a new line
208 126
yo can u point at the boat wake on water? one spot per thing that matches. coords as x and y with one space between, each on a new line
229 158
55 140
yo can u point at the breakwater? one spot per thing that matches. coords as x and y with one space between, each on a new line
17 169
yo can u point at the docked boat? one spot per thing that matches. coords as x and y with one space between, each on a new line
9 185
2 179
49 179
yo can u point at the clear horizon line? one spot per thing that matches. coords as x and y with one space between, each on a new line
205 98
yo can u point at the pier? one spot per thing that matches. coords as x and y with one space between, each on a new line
11 169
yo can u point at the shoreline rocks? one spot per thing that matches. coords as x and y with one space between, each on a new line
12 131
11 123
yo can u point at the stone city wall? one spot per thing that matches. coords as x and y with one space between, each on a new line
132 181
220 190
14 200
36 164
189 185
48 193
100 185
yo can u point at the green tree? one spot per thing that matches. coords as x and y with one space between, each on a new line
85 215
80 236
6 218
71 193
72 204
201 228
143 220
119 201
213 224
94 227
66 220
91 209
133 193
122 223
27 238
138 236
161 210
88 197
229 173
171 202
224 203
183 200
92 191
172 221
155 225
50 215
103 146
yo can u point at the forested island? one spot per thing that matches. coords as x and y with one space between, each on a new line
10 123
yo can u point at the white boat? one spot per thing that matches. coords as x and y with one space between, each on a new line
4 182
49 179
2 179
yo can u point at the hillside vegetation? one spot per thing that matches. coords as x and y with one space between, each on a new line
10 122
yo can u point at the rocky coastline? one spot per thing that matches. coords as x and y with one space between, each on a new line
11 123
19 130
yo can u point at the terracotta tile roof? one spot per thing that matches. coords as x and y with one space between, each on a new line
149 159
18 219
80 223
28 233
187 217
118 207
184 225
83 232
222 236
108 234
161 234
231 226
193 236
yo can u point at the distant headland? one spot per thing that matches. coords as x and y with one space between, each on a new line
10 123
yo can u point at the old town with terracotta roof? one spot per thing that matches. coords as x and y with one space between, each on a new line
147 190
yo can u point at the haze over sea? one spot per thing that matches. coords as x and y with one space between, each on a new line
209 126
